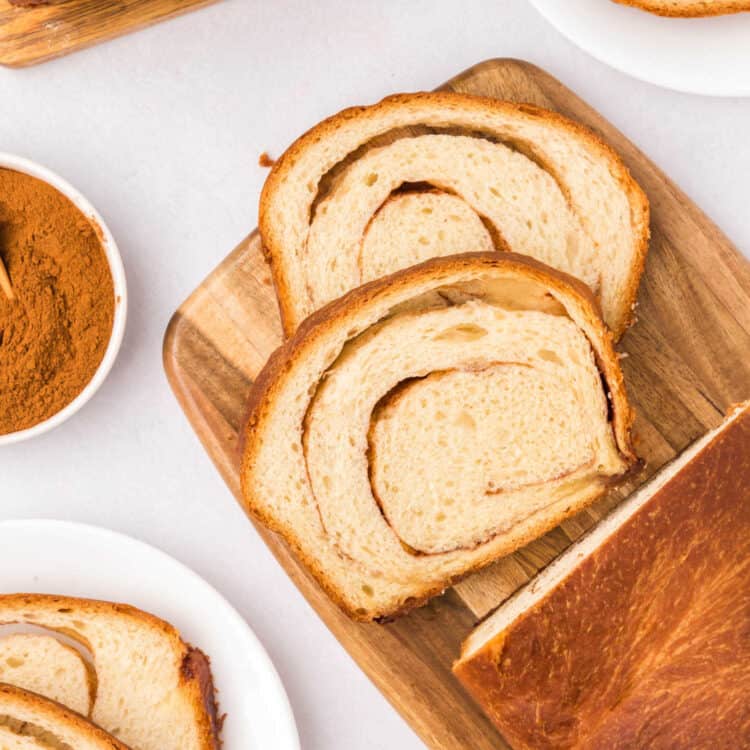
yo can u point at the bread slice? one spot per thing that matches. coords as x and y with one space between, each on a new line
9 740
154 691
44 665
432 421
31 722
410 228
637 635
689 8
513 177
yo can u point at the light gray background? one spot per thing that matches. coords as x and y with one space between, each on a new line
161 130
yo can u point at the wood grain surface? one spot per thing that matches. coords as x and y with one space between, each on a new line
685 361
33 35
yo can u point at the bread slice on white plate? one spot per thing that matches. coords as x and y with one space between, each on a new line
432 421
638 636
689 8
154 691
44 665
373 189
31 722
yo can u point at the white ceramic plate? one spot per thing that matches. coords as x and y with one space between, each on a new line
56 557
696 55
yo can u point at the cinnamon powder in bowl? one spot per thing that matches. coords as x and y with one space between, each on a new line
55 334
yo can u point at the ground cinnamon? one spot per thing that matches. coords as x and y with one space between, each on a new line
54 334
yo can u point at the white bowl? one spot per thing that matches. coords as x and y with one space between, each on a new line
114 260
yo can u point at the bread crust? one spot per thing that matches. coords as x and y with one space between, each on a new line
13 698
699 10
639 205
197 686
631 647
271 379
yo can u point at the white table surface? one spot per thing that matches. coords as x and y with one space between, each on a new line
162 130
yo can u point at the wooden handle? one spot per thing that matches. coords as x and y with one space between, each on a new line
5 282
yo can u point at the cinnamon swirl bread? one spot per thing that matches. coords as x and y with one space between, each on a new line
376 189
30 722
432 421
44 665
152 690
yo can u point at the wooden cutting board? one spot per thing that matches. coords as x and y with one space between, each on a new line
33 35
685 361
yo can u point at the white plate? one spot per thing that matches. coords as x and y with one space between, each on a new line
56 557
696 55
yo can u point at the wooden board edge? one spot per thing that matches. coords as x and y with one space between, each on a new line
11 59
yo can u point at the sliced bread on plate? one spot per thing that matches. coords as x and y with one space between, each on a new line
432 421
689 8
31 722
375 189
154 691
638 636
44 665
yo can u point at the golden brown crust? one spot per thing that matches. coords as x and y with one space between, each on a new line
703 10
639 205
199 690
643 644
195 673
271 379
14 699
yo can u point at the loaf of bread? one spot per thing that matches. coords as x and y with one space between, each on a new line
153 691
375 189
30 722
432 421
638 636
44 665
689 8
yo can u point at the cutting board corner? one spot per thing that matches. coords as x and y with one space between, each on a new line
29 36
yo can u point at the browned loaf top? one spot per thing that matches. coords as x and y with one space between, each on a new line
639 635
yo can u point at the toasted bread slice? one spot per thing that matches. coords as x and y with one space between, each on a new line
432 421
31 722
518 177
44 665
154 691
